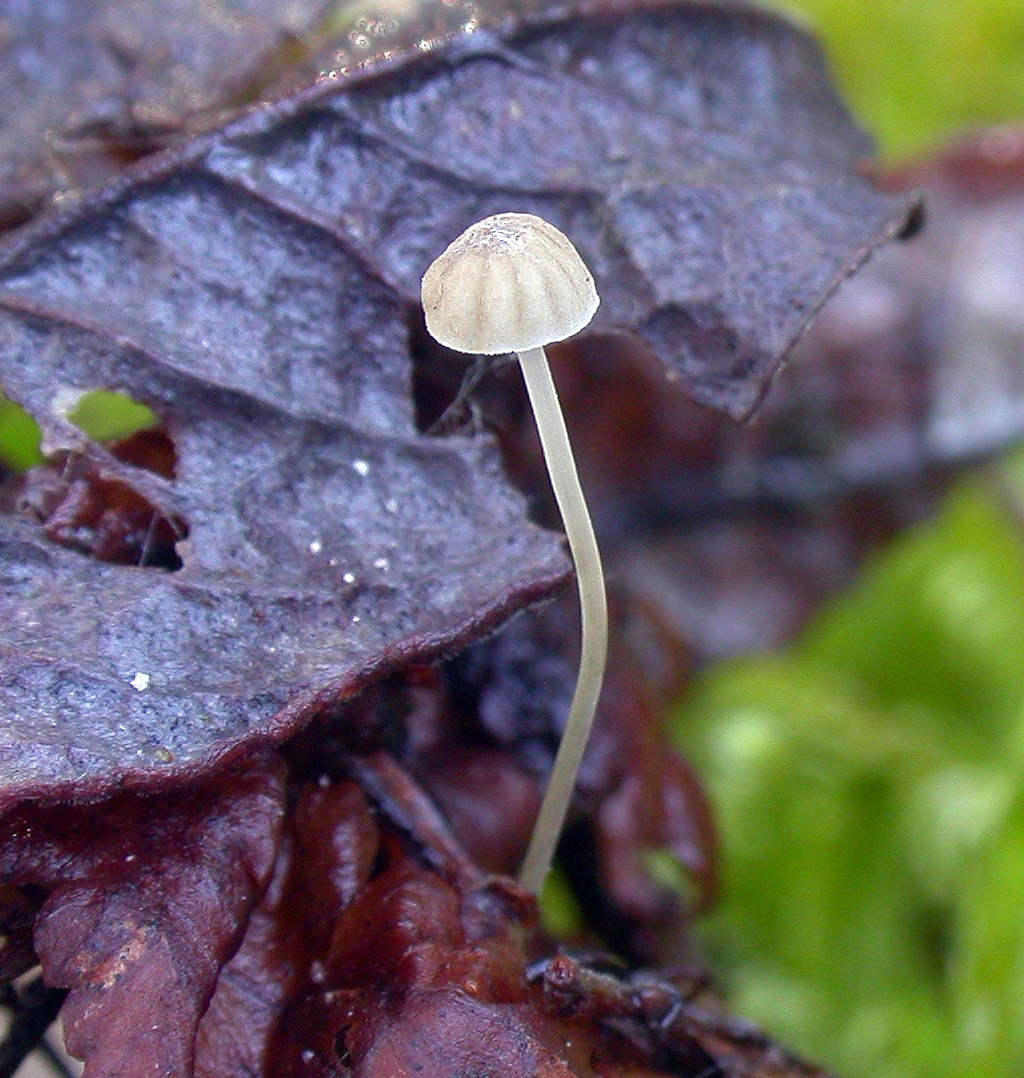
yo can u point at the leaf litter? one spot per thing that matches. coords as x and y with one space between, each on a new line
256 289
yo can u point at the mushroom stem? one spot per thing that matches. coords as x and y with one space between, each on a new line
554 440
513 283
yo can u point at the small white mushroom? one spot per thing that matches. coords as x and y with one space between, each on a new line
514 283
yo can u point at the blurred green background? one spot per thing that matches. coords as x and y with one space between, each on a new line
869 784
869 781
916 72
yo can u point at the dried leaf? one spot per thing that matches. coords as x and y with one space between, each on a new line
330 846
88 83
695 153
254 290
148 896
913 368
257 290
428 971
676 1018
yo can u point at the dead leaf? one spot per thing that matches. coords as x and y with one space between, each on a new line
330 844
87 85
255 290
147 898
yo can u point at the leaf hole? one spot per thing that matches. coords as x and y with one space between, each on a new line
149 449
77 506
102 517
108 416
341 1048
81 506
19 438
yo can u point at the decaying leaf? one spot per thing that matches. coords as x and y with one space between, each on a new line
674 1018
256 290
391 954
146 899
330 844
914 368
87 84
288 536
305 578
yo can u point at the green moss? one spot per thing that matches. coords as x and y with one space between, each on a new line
917 72
108 416
870 789
19 437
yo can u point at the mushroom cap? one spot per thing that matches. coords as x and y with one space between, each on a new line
509 283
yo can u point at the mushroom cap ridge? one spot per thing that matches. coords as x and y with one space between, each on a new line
509 283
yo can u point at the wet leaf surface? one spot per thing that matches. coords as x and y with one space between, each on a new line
327 856
255 291
716 248
119 676
87 85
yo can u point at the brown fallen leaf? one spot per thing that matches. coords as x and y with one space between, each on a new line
88 85
432 968
146 899
257 289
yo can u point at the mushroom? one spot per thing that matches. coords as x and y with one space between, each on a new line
513 283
